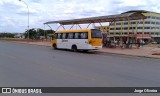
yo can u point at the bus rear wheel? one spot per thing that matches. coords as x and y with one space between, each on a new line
85 51
74 48
55 46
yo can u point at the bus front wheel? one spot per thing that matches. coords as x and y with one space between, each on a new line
74 48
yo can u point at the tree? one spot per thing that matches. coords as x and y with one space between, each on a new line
44 33
32 33
8 35
37 33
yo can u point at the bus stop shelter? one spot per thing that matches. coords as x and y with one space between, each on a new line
112 19
101 19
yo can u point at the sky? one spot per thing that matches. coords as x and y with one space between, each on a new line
14 13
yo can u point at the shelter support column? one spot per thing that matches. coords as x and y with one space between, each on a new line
102 29
121 31
109 29
114 30
136 27
129 24
72 26
143 26
143 29
136 30
49 26
63 26
89 25
79 26
44 31
60 26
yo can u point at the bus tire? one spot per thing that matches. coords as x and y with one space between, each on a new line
54 46
74 48
85 51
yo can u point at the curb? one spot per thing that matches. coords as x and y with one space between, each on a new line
127 55
30 43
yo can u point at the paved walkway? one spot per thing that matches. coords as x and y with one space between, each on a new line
145 51
142 52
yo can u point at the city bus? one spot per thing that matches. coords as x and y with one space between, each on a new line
82 39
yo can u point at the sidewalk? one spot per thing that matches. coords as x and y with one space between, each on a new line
145 51
141 52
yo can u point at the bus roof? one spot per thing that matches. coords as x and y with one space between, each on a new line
77 30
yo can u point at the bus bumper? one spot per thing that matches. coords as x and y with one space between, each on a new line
95 47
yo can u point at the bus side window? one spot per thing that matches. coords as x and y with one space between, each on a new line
73 35
54 36
59 36
64 36
84 35
70 35
77 36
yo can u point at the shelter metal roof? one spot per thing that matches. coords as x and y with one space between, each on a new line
109 18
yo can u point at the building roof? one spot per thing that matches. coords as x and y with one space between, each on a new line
140 11
109 18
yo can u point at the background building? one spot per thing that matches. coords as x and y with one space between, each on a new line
147 30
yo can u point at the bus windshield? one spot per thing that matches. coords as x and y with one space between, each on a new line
96 33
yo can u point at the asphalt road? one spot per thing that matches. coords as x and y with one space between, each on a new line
23 65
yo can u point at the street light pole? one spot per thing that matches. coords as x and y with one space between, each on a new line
28 16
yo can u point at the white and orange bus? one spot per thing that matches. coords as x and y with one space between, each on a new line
82 39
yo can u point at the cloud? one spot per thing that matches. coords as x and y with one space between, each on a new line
14 13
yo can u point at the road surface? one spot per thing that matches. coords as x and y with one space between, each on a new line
24 65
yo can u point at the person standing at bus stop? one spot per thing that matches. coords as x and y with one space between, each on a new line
115 43
138 43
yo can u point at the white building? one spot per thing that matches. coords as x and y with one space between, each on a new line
151 26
